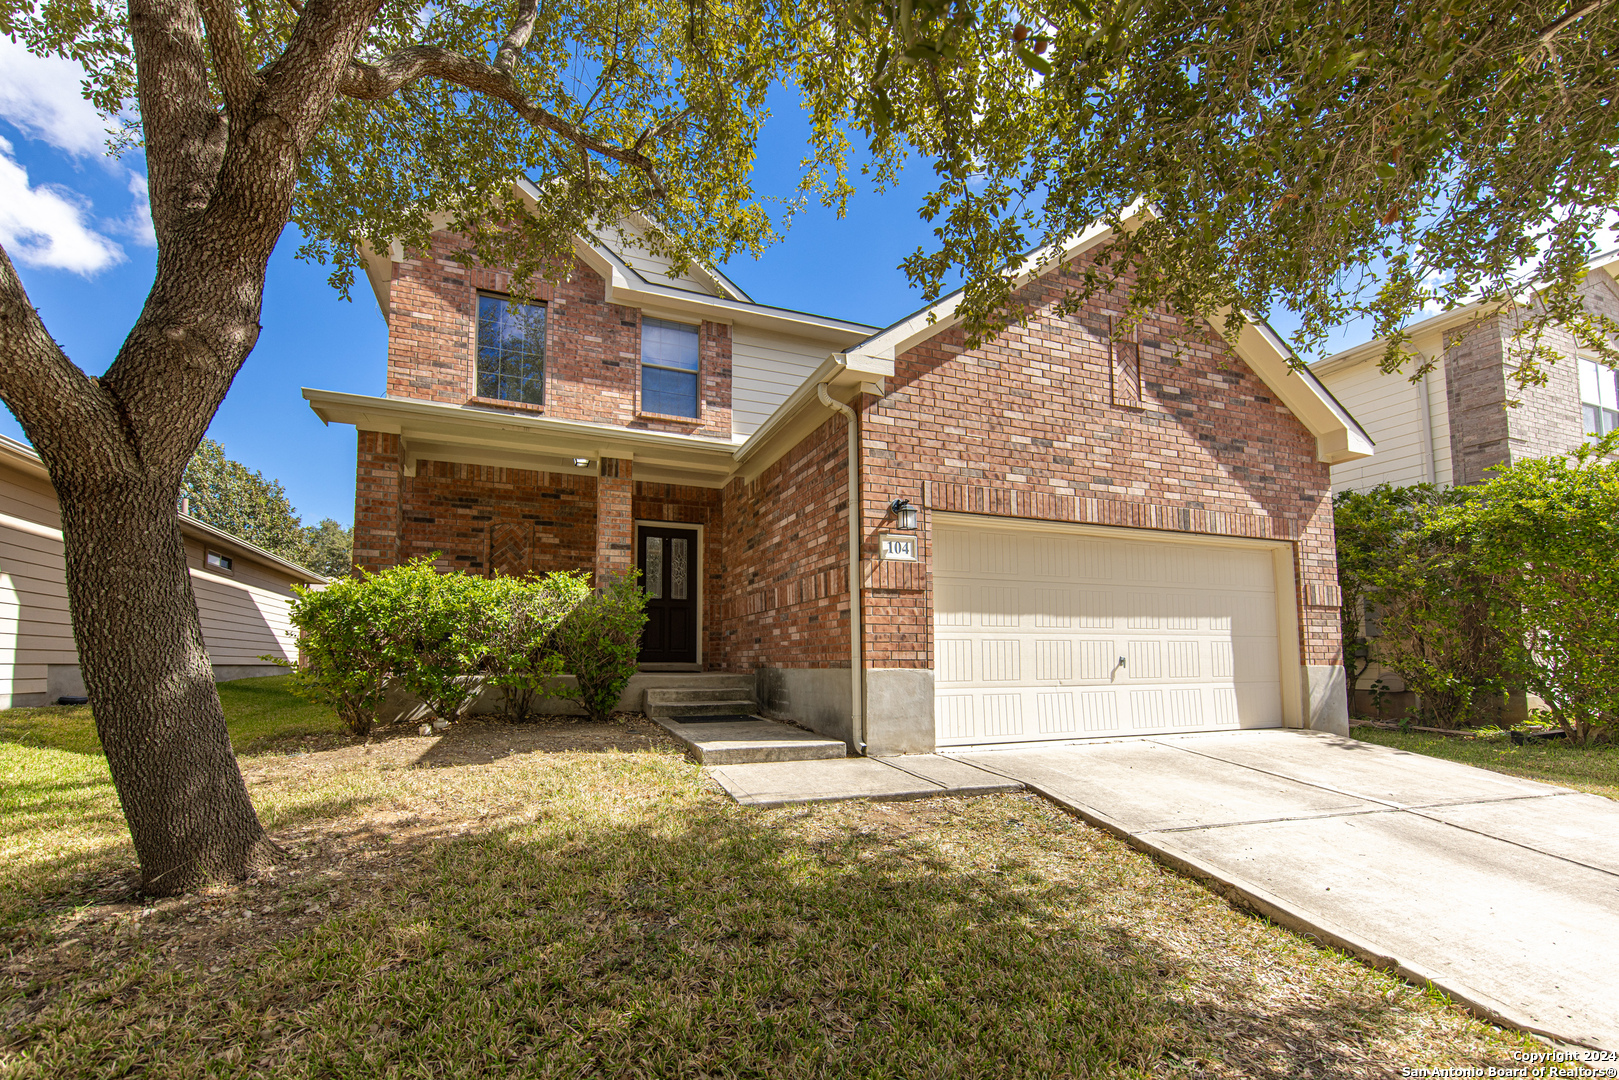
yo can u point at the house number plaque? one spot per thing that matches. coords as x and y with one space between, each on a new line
900 548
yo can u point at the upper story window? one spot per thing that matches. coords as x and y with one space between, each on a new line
511 350
1599 397
668 368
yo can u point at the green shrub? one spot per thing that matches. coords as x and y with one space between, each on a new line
521 656
600 644
1546 531
346 659
440 627
1431 595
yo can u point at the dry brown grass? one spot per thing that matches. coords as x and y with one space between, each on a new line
571 899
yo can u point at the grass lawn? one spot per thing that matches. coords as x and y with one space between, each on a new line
567 899
1592 768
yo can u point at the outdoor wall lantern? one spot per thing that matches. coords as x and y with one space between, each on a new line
903 513
582 462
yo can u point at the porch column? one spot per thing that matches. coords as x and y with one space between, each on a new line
615 527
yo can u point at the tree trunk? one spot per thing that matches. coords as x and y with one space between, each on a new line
151 686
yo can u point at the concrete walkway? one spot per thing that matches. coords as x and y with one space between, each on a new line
1504 893
919 776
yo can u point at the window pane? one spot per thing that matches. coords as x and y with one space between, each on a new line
511 350
673 393
1593 420
677 568
669 345
1606 380
654 567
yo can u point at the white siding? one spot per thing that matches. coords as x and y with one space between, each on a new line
627 245
1389 407
765 368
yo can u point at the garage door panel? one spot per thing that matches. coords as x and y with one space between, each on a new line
1030 628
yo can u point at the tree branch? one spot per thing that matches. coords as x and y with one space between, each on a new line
528 13
1574 15
53 399
237 80
373 82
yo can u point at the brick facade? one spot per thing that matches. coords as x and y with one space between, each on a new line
473 517
785 561
592 348
1547 420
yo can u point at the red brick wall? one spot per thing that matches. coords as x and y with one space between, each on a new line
786 571
592 352
529 522
682 505
1025 425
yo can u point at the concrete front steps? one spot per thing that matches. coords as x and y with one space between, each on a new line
714 716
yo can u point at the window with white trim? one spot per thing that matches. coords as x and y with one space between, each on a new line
1599 397
218 561
669 368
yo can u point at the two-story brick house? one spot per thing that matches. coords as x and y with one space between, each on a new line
1057 535
1455 423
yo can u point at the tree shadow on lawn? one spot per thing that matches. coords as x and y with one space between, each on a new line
661 933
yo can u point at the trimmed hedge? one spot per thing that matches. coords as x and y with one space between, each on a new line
444 637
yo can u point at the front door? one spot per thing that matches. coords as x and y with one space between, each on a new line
667 558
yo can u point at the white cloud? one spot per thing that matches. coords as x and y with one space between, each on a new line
43 98
48 225
136 226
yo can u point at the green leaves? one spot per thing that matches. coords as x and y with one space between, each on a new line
228 495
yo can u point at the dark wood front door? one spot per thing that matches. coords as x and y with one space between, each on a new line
667 558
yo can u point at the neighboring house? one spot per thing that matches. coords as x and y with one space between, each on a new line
1453 424
242 591
1098 539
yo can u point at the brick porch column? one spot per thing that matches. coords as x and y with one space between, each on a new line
615 527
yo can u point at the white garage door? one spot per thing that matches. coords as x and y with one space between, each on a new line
1053 635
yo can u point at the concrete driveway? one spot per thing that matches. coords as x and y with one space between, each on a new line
1502 892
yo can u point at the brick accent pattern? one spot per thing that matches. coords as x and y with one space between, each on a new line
615 524
475 517
592 348
1547 420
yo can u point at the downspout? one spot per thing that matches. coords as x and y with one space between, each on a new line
1430 466
857 717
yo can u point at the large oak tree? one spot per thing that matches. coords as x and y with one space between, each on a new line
1284 143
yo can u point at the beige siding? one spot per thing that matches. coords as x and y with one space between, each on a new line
244 615
627 244
765 369
1390 408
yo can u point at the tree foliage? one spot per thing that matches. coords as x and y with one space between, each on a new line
228 495
1347 158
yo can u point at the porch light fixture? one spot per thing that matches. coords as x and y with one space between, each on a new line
903 513
581 462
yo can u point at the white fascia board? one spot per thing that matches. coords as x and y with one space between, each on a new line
893 342
721 284
1338 437
488 432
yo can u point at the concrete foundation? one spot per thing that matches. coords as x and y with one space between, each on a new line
899 711
817 698
1328 699
65 680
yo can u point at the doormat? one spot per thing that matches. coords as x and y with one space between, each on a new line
719 719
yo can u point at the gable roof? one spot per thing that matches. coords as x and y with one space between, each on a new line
1338 436
1442 322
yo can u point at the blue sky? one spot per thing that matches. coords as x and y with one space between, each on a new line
77 225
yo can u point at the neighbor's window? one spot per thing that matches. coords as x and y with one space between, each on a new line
217 561
511 350
668 368
1598 397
